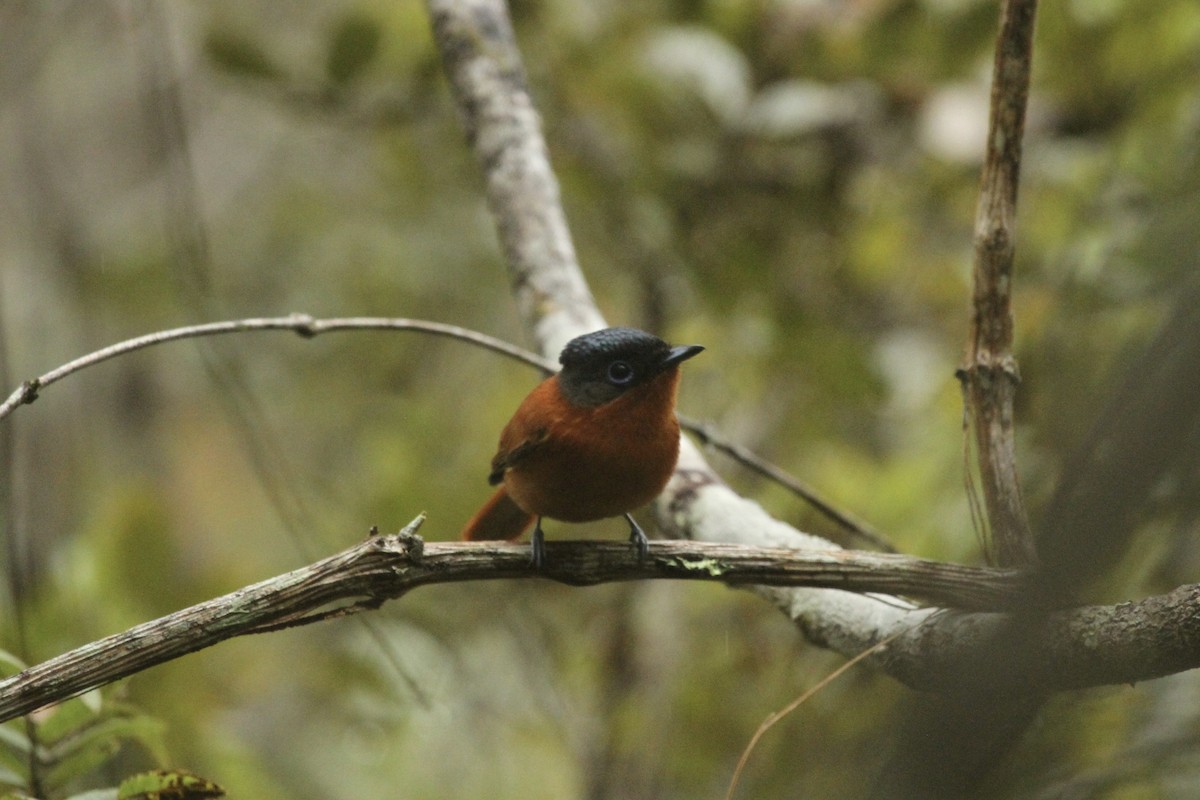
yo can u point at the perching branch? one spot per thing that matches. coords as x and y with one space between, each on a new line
1073 648
386 567
989 373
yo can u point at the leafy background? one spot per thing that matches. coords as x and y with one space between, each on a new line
790 183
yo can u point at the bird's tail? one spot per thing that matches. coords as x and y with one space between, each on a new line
500 518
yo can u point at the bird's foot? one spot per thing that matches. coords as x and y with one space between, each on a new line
537 543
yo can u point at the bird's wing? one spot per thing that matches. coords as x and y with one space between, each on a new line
513 452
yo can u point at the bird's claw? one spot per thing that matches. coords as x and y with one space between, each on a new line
537 543
637 537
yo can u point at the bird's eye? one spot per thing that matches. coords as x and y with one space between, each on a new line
620 373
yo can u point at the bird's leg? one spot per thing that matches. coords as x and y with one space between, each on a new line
538 544
637 537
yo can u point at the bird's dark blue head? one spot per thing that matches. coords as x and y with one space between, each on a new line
599 367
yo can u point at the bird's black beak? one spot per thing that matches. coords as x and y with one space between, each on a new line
678 355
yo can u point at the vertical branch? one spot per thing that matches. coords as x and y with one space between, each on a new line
480 56
15 572
989 374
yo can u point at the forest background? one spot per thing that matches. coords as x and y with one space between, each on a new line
791 184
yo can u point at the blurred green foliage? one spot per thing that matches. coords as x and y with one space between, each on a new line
791 184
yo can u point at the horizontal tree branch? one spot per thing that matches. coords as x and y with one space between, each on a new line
1034 652
1082 646
385 567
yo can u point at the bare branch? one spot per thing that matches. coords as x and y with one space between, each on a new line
387 567
1034 653
989 374
1079 647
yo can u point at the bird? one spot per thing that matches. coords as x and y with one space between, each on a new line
596 440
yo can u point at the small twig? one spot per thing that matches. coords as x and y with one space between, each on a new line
747 458
772 719
989 373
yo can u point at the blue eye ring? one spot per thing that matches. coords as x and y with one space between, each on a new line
620 373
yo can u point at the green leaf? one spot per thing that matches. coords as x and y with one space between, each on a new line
354 45
14 738
79 764
11 778
14 758
167 785
75 756
66 719
134 725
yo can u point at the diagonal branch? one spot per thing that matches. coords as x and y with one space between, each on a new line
852 526
481 59
989 373
479 54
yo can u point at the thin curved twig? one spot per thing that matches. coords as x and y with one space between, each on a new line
303 324
776 716
751 460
